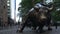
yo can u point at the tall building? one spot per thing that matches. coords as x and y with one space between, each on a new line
9 7
3 12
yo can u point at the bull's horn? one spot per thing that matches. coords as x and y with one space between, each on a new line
50 8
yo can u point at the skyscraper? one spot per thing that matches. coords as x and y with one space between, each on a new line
9 7
3 12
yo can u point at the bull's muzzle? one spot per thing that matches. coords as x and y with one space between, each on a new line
43 18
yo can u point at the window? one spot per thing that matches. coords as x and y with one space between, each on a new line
8 1
4 6
8 4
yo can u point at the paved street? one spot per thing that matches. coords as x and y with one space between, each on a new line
12 30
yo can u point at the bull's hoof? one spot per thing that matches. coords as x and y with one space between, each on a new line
40 31
49 29
20 31
33 28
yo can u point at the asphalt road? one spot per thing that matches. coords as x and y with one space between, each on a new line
13 29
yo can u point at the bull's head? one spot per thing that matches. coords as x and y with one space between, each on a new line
41 13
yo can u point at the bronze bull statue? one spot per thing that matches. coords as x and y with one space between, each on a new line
39 16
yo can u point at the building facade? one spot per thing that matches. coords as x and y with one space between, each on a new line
3 12
9 7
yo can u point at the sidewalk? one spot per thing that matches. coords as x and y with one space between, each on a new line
8 27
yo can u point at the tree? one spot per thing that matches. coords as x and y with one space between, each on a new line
56 12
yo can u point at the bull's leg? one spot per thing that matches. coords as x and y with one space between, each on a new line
22 26
34 27
40 29
49 25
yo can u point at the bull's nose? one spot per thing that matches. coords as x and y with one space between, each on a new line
44 19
